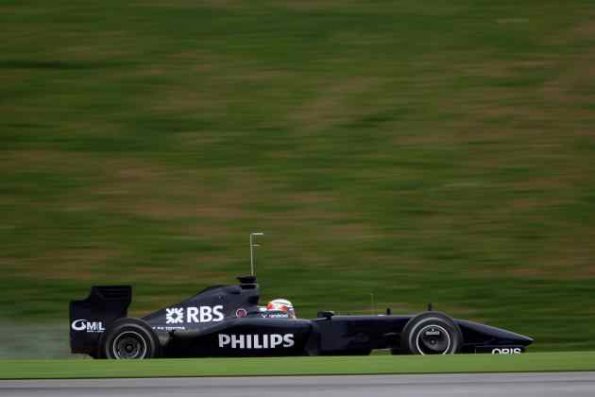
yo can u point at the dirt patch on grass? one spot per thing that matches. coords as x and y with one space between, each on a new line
568 271
331 105
183 101
46 159
222 4
572 256
574 85
145 189
189 273
65 264
211 201
353 231
161 192
586 30
314 5
566 258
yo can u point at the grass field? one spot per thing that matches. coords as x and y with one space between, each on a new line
420 151
40 369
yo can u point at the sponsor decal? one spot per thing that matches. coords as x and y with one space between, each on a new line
507 350
168 328
256 341
193 314
88 326
241 312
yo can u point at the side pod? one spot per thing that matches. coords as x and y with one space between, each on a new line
90 317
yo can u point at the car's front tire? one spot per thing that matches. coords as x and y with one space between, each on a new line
129 338
431 333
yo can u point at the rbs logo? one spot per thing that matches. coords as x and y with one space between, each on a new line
193 314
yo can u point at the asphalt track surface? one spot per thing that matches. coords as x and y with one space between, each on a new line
485 385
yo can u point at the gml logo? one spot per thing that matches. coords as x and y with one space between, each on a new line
89 326
193 314
507 350
256 341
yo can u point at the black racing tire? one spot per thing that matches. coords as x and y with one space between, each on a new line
129 338
431 333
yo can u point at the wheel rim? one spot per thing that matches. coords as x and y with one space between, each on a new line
433 339
129 345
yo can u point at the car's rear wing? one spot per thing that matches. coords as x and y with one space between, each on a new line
90 317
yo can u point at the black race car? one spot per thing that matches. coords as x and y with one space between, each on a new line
227 321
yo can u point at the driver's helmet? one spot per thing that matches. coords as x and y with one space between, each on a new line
281 305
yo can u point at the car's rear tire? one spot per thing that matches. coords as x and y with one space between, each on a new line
431 333
129 338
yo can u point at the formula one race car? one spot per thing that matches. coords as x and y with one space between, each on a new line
227 321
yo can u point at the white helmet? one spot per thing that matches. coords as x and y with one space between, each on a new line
282 305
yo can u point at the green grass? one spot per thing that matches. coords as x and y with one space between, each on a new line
420 151
533 362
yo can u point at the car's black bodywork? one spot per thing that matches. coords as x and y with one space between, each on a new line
226 321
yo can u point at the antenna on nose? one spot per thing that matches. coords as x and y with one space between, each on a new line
252 246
